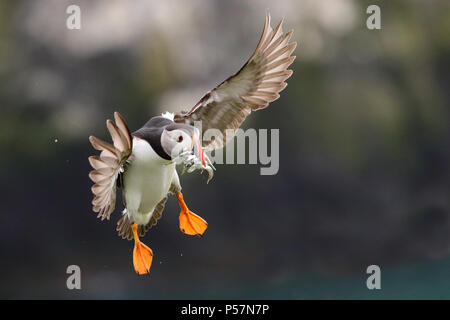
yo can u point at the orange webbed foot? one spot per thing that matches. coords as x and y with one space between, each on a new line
190 223
142 255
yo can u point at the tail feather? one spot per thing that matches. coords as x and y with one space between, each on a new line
124 228
124 223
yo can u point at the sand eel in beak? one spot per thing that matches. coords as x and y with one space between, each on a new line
143 163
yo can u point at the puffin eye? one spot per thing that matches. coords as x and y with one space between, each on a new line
180 138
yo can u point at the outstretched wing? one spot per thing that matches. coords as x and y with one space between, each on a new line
256 85
109 164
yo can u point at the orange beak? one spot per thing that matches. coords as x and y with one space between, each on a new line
198 150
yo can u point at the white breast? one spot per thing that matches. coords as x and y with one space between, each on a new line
146 181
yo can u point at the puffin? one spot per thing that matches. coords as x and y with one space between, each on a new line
143 163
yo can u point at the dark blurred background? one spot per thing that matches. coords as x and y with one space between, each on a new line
364 149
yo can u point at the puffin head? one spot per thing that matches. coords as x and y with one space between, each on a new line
177 138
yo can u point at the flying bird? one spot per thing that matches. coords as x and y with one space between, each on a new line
143 163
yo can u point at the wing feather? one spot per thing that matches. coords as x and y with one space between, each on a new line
119 141
122 125
108 165
256 85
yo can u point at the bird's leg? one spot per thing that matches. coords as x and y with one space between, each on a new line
142 255
190 223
